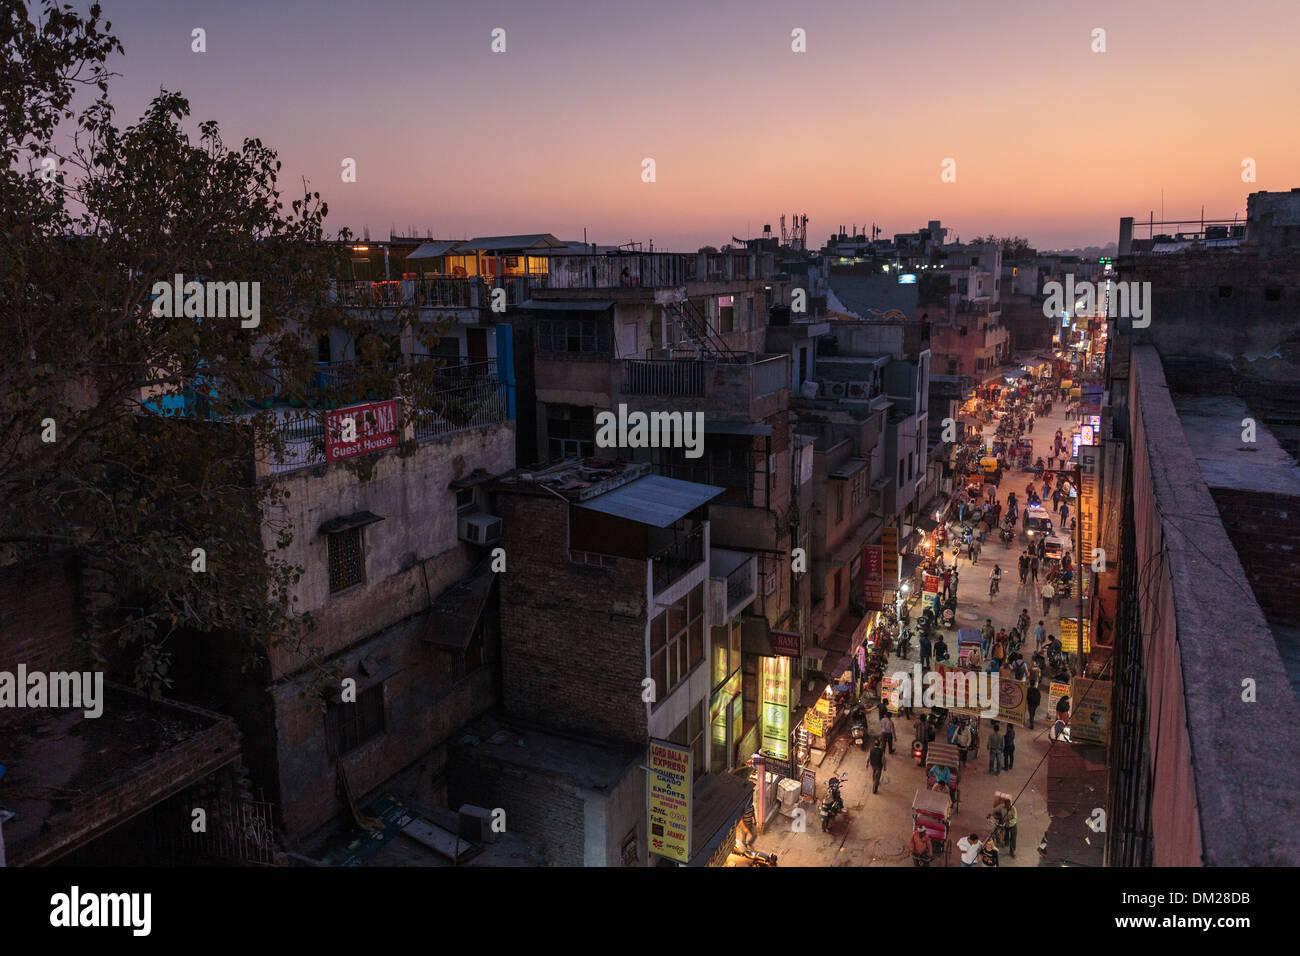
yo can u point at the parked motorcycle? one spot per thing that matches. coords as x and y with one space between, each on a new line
860 725
833 805
755 857
949 616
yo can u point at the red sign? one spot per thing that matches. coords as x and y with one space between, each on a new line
786 643
932 582
372 427
874 577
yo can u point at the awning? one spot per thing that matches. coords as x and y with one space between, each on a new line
735 428
357 519
653 500
455 614
717 805
848 469
910 563
567 305
478 476
850 549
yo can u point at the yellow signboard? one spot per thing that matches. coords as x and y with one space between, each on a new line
814 723
1089 711
1070 636
668 799
1013 701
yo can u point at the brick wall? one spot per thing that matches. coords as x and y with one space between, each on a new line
573 636
39 615
1265 530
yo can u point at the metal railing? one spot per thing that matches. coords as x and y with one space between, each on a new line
476 403
667 377
431 292
740 583
685 553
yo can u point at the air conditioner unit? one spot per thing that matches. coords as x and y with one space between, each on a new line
859 390
480 529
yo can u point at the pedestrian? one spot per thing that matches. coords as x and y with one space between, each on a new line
970 549
887 731
1033 697
1048 593
940 650
882 710
925 652
996 743
963 742
877 760
1010 819
1040 636
977 549
969 848
1051 460
1024 566
999 657
986 636
1033 568
1009 747
1065 512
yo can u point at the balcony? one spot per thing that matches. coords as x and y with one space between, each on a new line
734 577
672 562
432 405
755 378
433 292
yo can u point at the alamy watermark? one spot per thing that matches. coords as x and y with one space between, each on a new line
1129 300
966 690
624 429
208 300
55 689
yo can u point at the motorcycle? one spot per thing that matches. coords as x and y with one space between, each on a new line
1006 534
755 857
860 725
833 805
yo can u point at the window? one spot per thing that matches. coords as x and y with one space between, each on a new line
910 461
349 725
573 335
900 472
839 587
677 642
465 500
690 733
839 502
769 584
346 560
859 488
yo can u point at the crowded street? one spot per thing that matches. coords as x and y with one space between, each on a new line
876 828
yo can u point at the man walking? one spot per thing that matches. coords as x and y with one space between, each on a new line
1024 566
986 636
1009 820
1040 636
1033 569
969 848
877 760
1034 697
887 731
1009 747
1065 511
1048 593
996 743
925 652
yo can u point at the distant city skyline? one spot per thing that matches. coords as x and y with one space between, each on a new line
550 135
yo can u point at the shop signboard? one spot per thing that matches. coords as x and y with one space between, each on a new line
1013 701
786 643
1055 691
1070 636
1089 506
668 798
776 706
809 788
932 582
889 689
874 578
815 723
371 427
889 542
1089 711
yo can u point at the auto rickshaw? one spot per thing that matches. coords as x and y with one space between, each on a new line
992 469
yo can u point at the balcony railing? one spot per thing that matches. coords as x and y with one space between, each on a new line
669 377
431 292
670 563
454 398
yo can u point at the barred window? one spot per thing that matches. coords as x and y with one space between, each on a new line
346 559
677 641
349 725
573 335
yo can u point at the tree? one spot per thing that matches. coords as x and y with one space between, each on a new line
1013 247
132 487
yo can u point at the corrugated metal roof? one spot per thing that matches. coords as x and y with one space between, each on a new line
653 500
542 240
849 468
434 250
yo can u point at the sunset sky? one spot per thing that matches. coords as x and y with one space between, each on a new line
1050 140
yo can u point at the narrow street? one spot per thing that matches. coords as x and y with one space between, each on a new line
875 829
